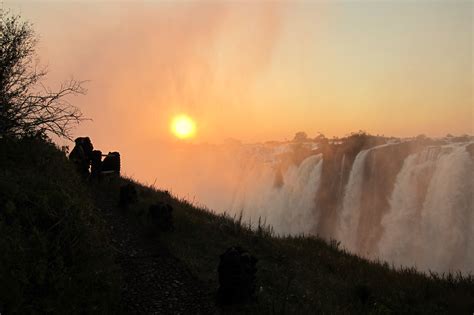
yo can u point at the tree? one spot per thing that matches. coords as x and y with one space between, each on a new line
26 105
321 138
300 136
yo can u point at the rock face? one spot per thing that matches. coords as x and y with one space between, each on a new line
128 195
470 150
161 215
237 274
381 167
337 165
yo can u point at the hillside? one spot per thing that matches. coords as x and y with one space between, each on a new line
66 245
55 257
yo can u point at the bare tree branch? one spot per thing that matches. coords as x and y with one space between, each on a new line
26 105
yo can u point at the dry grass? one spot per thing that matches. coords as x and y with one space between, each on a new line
301 274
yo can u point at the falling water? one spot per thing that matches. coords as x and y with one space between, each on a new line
405 203
348 218
290 208
432 228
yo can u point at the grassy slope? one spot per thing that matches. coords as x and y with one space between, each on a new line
54 256
53 251
305 274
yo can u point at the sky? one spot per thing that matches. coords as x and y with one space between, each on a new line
264 70
254 71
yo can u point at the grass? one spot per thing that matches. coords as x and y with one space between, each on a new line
55 256
303 274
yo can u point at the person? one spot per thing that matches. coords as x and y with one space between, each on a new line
81 155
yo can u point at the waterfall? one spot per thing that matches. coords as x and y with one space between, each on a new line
289 209
430 222
403 202
348 217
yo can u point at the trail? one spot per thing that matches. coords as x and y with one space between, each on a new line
154 281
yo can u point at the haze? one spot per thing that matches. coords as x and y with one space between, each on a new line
258 71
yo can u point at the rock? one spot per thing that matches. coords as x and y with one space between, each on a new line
237 276
161 216
111 163
96 163
362 291
128 195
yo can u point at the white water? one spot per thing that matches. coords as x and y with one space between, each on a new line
348 216
289 209
436 234
429 222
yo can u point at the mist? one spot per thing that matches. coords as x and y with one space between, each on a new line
405 201
222 156
260 72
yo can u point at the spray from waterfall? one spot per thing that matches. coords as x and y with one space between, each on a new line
406 202
289 208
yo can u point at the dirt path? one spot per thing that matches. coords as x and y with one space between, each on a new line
155 282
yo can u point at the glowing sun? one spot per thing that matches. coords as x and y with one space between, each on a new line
183 127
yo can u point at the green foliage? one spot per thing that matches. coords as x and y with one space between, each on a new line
53 250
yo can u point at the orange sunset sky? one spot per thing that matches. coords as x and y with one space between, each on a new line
260 71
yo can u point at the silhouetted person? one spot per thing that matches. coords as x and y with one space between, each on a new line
81 155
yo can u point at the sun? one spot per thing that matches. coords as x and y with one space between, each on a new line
183 127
